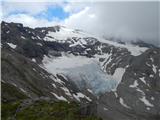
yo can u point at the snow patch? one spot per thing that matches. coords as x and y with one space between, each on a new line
14 84
139 90
43 30
152 98
154 68
22 90
33 37
38 37
79 95
142 79
151 75
54 85
151 59
34 60
146 102
23 37
67 92
148 64
59 97
122 103
148 108
12 45
8 32
57 80
115 93
76 43
89 90
105 108
118 74
49 39
39 44
107 60
64 77
135 84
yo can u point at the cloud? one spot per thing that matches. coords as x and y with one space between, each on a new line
31 8
33 13
125 20
74 7
31 21
84 20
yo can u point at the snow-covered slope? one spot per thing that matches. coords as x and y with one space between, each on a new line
63 34
85 72
75 38
133 49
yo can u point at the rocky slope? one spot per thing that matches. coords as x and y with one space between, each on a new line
138 95
33 81
122 80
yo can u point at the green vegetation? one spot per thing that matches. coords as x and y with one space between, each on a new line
8 110
43 110
11 93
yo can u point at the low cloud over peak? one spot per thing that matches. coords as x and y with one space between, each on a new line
124 20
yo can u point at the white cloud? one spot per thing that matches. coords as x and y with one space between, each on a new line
0 11
92 15
32 7
30 21
25 11
29 8
74 7
125 20
84 20
32 1
79 14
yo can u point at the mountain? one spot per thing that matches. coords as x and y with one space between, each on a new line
58 63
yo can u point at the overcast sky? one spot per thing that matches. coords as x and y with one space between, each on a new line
125 20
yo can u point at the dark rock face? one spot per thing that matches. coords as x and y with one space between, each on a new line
137 96
29 41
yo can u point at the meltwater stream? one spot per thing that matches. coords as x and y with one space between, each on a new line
85 72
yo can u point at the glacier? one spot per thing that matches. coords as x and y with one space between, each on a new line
85 72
